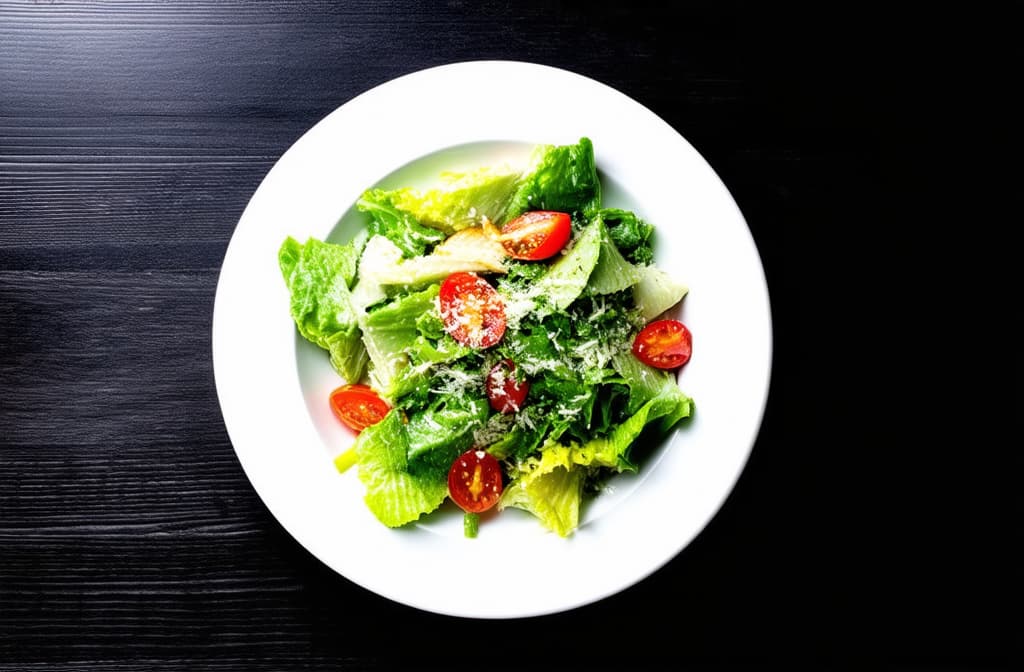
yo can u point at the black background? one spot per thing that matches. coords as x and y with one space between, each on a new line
870 528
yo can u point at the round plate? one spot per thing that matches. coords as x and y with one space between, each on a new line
273 386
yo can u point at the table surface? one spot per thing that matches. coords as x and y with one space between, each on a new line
132 136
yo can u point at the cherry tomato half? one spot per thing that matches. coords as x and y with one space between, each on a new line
536 235
474 481
505 392
664 344
472 311
358 406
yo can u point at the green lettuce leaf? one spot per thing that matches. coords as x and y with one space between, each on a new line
440 351
559 177
462 200
397 492
563 178
524 436
439 434
614 450
656 291
609 406
390 332
562 283
396 224
553 496
612 273
382 263
633 236
647 383
533 348
319 276
550 484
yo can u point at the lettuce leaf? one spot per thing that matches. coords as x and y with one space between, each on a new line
319 276
612 273
524 436
439 434
656 291
552 493
614 450
461 201
559 177
632 236
397 491
562 283
647 383
438 351
471 249
396 224
563 178
570 322
390 332
534 349
550 485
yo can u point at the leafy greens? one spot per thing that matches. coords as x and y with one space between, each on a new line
373 305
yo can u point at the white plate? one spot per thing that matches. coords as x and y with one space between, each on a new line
273 386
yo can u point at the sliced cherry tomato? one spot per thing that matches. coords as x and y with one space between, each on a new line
506 392
472 311
474 481
358 406
536 235
664 344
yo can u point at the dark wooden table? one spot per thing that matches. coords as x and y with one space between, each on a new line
131 138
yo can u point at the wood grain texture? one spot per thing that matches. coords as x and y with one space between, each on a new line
132 135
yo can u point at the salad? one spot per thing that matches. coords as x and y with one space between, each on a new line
500 339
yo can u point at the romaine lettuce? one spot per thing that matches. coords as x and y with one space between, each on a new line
550 485
397 491
318 276
551 492
563 178
656 291
570 325
437 435
525 434
614 450
563 282
396 224
632 235
469 250
389 332
558 177
646 383
612 273
462 201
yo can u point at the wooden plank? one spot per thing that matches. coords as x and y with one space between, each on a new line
279 58
85 187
